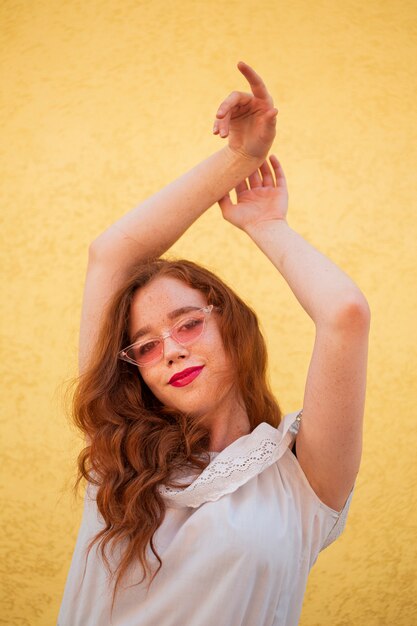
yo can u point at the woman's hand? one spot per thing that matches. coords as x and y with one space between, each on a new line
248 119
264 199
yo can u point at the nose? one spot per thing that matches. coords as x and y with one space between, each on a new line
174 350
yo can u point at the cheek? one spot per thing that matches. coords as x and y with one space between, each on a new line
157 390
147 378
160 390
218 354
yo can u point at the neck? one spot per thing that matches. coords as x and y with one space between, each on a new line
228 424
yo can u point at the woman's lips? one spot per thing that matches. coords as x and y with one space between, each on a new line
185 377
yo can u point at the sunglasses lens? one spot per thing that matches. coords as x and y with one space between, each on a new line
145 352
189 329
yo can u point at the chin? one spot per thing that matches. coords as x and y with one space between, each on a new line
193 407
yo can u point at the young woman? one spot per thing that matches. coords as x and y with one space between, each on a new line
199 510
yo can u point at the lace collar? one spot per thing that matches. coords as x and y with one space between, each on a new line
235 465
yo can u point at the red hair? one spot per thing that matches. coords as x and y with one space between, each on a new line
135 443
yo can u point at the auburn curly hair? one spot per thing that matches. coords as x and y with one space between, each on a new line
134 443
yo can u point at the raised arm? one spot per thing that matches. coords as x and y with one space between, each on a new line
329 442
150 229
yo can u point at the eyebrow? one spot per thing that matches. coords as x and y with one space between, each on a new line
171 315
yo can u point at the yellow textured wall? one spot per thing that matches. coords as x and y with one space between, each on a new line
105 102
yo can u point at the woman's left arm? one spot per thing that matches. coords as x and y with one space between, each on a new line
329 441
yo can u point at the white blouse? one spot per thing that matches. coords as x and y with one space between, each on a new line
236 545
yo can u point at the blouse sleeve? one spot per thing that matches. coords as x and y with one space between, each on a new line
321 524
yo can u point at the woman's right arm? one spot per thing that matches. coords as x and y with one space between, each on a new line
151 228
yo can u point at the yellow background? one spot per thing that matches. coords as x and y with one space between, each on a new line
105 102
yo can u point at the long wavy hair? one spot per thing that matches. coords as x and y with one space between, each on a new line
134 443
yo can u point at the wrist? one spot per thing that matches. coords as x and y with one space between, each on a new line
248 163
264 227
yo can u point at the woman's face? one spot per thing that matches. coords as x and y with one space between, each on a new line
153 306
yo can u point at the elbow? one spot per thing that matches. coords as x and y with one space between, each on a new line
95 250
355 314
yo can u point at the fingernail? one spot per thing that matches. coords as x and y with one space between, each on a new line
223 133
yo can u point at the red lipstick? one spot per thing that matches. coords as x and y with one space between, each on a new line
185 377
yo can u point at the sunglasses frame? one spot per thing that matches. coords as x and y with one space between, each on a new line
123 353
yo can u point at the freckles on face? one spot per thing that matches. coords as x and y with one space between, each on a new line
152 309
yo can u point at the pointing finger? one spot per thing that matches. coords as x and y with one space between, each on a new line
258 87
